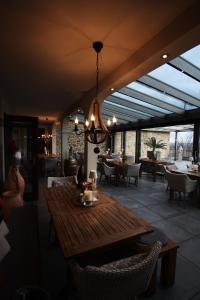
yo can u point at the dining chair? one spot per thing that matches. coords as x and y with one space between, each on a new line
132 171
124 278
180 183
130 159
100 170
62 181
110 173
50 166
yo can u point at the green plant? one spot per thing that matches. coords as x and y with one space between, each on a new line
152 143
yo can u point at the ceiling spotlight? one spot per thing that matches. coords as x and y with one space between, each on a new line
164 56
112 89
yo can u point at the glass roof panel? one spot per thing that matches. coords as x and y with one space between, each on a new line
128 109
177 79
156 94
193 56
142 103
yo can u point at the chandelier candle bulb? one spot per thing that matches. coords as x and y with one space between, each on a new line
114 120
86 123
108 123
76 124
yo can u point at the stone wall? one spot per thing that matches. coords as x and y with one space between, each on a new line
70 139
56 138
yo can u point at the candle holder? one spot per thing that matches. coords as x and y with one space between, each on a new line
93 177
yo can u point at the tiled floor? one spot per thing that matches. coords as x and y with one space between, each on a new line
149 201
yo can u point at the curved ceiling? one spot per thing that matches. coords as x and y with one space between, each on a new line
48 65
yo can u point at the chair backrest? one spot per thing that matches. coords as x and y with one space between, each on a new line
123 279
171 167
100 167
61 181
50 164
176 182
133 170
109 170
130 159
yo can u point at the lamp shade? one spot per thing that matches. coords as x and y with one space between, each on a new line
93 174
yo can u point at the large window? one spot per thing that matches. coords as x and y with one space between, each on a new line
130 142
118 142
179 140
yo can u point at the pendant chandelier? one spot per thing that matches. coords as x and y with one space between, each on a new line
95 130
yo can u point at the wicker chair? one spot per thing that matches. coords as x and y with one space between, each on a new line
100 170
62 181
110 172
123 279
180 183
132 171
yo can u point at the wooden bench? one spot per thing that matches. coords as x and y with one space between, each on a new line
168 256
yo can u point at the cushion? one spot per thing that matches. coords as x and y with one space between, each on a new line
124 263
156 235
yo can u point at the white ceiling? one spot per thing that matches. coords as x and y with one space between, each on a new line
48 64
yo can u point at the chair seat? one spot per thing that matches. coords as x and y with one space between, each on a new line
156 235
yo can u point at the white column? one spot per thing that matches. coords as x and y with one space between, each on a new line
91 158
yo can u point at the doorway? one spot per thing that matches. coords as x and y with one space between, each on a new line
23 132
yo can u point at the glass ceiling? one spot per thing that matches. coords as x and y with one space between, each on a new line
173 88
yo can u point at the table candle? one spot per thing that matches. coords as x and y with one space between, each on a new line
88 195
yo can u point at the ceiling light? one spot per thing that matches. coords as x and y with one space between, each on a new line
164 56
94 129
112 89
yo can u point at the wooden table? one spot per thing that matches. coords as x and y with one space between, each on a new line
90 230
151 166
83 229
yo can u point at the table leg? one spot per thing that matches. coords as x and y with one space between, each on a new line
152 284
168 268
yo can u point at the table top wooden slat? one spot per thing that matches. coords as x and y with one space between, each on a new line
80 229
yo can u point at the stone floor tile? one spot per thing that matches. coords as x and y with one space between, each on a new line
164 210
146 214
187 283
173 231
190 250
188 223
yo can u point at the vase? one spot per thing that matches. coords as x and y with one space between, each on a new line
14 187
154 156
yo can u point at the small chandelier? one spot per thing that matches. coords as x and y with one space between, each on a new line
95 129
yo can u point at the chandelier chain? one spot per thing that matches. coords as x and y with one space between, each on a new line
97 75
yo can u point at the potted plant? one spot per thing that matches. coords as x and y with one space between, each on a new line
153 144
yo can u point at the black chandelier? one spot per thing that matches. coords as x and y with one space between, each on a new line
95 130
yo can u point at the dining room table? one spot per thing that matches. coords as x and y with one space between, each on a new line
82 229
151 166
106 225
